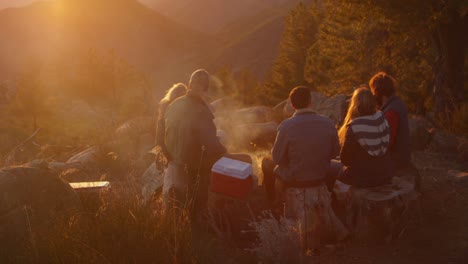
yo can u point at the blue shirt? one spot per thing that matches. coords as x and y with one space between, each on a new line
304 146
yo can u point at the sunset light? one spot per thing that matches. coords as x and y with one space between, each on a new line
246 131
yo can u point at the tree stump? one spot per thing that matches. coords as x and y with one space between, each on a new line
381 212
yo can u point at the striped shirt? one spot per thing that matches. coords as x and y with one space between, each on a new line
372 133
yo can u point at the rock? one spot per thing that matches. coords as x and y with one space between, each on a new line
262 134
223 106
34 204
251 115
91 158
79 175
134 128
152 181
54 152
332 107
421 132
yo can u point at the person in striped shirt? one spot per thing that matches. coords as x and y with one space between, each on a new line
364 139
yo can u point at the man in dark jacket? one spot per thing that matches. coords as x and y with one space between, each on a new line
396 113
190 138
383 87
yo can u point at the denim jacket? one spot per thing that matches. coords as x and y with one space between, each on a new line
304 146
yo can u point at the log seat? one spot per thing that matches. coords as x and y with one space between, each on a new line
379 212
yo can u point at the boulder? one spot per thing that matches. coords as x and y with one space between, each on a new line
223 106
135 127
262 134
91 158
34 205
79 175
333 107
152 181
251 115
55 152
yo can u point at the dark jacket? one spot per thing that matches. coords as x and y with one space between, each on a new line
364 152
400 151
190 134
304 146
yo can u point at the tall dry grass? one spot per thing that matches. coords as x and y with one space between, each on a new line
117 226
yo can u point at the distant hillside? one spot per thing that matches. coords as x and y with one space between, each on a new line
168 43
65 29
252 42
210 16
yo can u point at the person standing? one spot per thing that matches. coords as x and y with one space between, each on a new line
193 147
176 91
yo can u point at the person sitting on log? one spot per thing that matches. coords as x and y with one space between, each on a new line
383 87
304 147
365 137
176 91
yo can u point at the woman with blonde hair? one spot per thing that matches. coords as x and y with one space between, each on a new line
364 139
176 91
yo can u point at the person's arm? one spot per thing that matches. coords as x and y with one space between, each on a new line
393 120
350 145
160 135
280 148
208 138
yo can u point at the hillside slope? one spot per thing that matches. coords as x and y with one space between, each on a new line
47 31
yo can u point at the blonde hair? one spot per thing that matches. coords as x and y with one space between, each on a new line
362 103
176 91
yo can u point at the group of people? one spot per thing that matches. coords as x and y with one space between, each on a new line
308 155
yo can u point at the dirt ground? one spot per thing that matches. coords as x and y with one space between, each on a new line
441 236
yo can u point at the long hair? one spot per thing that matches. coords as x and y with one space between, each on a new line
362 104
177 90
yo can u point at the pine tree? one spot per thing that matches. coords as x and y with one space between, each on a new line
31 95
301 27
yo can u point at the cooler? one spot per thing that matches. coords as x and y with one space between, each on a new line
232 178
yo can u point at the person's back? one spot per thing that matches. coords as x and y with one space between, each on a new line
176 91
364 152
400 150
302 153
311 144
189 126
365 137
192 144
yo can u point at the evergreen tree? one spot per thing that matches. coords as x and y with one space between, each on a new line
300 32
358 39
31 95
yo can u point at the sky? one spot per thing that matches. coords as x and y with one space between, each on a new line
14 3
18 3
